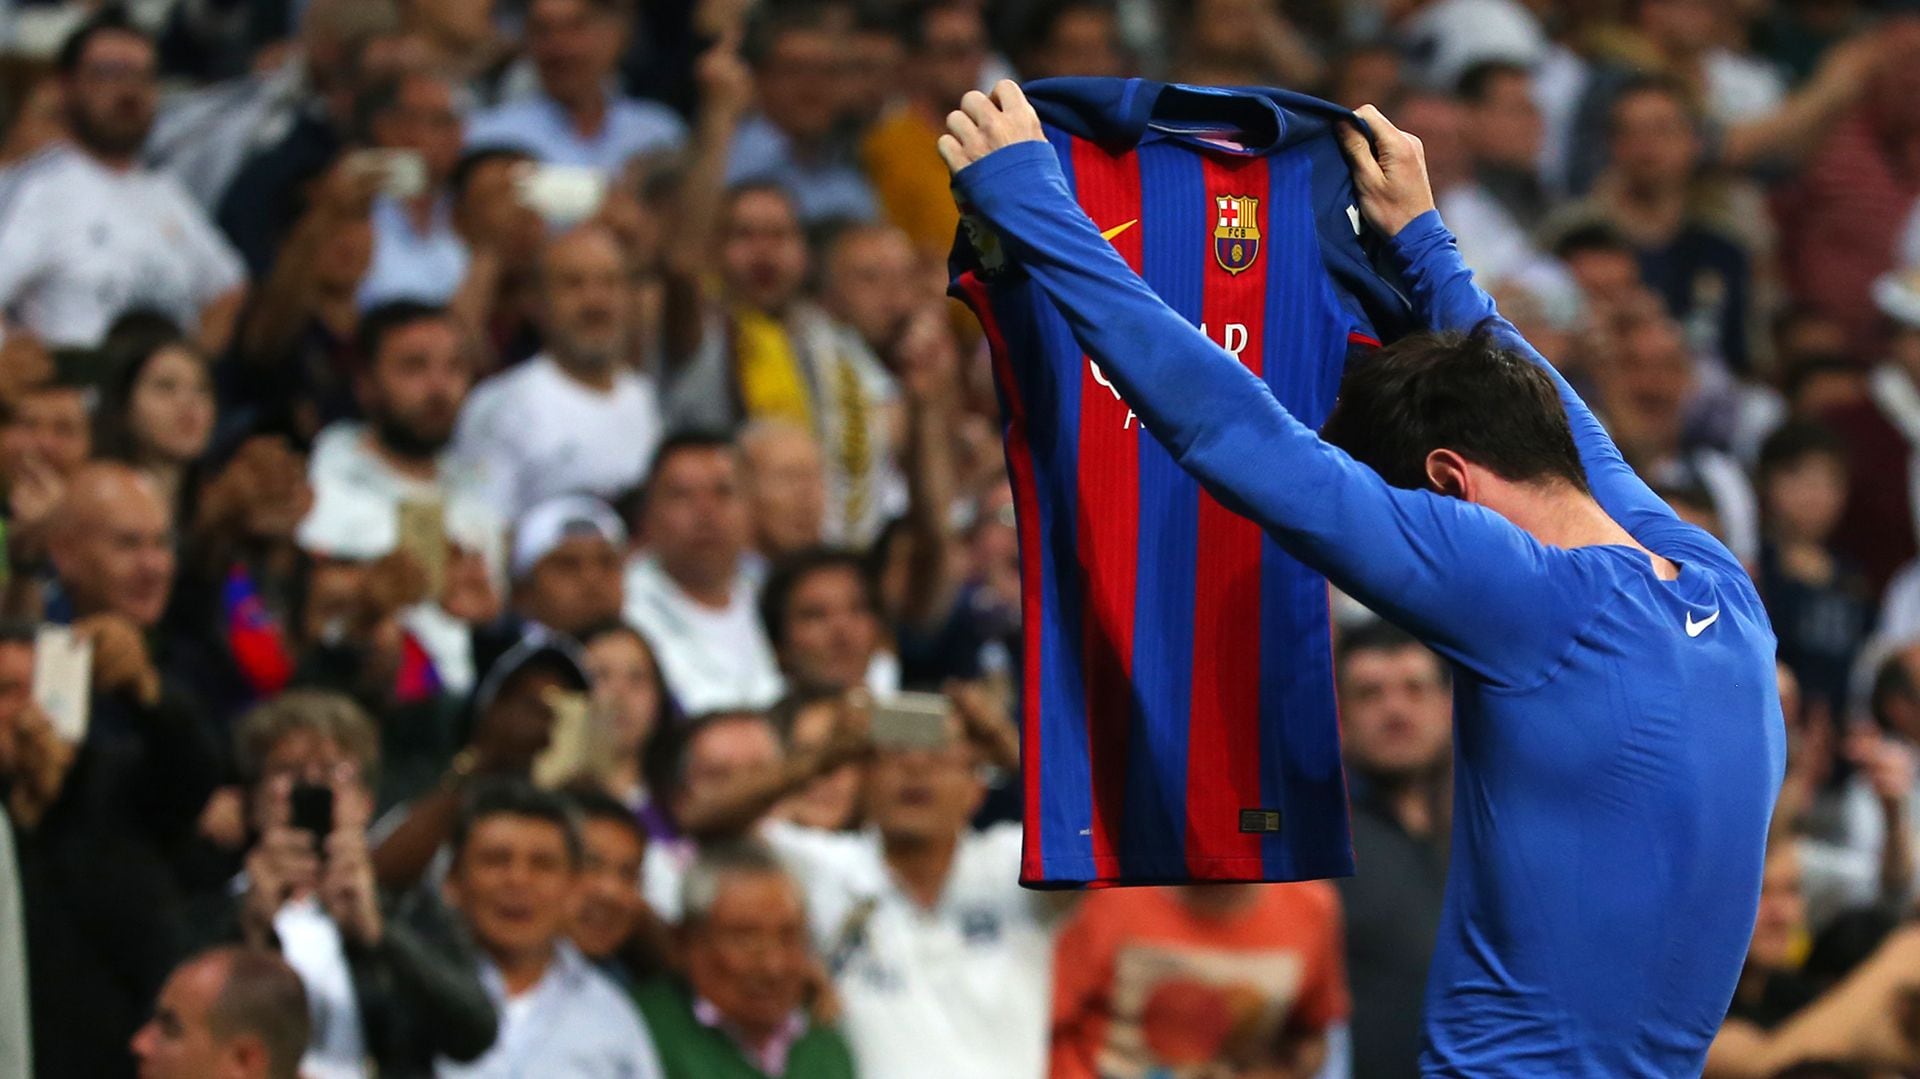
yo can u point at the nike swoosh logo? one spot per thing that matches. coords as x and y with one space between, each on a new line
1694 629
1118 229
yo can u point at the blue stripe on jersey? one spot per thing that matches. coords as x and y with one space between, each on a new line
1173 245
1300 750
1035 329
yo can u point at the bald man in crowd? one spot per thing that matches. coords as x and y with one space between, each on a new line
232 1012
579 418
786 486
111 542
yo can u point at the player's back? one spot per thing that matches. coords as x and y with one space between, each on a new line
1617 810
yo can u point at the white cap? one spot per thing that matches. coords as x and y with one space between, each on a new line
1897 293
552 522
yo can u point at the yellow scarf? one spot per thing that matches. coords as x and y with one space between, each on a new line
771 385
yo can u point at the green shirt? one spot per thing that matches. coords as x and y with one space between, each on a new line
689 1049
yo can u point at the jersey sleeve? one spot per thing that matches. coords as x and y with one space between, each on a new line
1445 297
1480 590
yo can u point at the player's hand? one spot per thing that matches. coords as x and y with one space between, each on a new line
984 124
1389 174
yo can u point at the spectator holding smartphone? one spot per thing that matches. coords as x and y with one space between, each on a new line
386 983
101 883
942 962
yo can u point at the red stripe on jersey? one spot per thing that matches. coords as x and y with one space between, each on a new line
1355 337
1223 735
1107 520
1026 504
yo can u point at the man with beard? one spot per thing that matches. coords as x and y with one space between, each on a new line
88 233
417 375
577 419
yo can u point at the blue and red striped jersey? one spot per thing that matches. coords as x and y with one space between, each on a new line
1178 708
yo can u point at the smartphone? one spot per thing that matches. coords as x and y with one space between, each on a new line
569 742
561 194
912 721
311 807
402 173
422 527
63 680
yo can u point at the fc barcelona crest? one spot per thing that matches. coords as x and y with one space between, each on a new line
1236 231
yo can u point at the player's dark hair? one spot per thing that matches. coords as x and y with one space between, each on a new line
111 19
388 318
794 570
517 798
1477 82
1462 392
1381 635
1796 441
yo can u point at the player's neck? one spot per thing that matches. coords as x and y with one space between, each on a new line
1560 515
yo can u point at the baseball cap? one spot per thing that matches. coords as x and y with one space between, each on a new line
556 520
540 648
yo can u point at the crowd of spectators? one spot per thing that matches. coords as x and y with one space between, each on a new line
500 453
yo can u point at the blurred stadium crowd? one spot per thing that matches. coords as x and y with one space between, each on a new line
497 453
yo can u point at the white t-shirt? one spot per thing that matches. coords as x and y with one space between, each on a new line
343 462
535 432
711 659
312 946
956 992
80 244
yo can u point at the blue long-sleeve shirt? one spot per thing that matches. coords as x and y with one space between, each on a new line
1618 737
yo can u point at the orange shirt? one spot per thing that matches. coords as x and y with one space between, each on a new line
907 174
1144 985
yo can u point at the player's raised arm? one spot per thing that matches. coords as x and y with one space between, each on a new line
1390 179
1455 573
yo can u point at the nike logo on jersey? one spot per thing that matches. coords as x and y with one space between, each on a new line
1118 229
1694 629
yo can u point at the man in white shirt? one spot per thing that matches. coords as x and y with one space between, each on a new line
576 118
516 872
416 377
577 418
89 234
941 960
690 589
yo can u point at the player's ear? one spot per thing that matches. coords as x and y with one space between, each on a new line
1447 474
